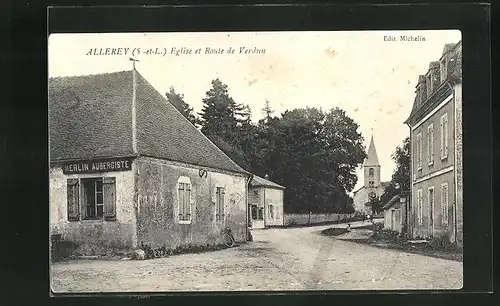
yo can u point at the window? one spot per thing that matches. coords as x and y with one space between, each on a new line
444 136
419 207
419 151
219 212
430 144
371 172
371 183
430 201
184 200
98 200
257 212
93 198
254 212
271 211
444 204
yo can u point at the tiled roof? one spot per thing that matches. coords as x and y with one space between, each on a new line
382 184
104 120
90 116
258 181
454 75
394 200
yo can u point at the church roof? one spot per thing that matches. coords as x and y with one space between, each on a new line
382 184
371 158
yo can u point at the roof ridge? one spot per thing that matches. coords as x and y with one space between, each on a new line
88 75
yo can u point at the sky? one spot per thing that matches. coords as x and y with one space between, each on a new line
372 79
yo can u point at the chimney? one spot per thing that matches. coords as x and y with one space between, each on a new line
266 177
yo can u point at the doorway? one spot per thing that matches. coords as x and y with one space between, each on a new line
431 210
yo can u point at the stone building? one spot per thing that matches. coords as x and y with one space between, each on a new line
372 188
435 126
126 168
265 200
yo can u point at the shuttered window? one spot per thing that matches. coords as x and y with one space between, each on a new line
419 151
219 205
430 144
184 201
96 197
444 136
73 200
419 207
109 195
444 204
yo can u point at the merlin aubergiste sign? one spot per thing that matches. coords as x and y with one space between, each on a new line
93 166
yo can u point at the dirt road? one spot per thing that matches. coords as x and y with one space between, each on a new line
278 259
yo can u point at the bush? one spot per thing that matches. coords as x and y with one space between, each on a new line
442 242
386 235
334 231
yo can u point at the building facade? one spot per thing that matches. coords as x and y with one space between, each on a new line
127 169
394 214
372 188
265 200
436 150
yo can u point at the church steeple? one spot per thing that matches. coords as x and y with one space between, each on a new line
371 167
371 158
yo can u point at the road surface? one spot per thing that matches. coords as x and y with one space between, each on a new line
277 259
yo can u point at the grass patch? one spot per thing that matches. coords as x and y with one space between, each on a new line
439 247
334 231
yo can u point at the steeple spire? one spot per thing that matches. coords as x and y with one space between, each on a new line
372 158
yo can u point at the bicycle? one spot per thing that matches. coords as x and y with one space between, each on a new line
228 238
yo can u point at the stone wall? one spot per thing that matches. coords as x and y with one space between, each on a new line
118 234
307 219
157 205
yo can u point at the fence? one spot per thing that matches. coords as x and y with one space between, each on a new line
306 219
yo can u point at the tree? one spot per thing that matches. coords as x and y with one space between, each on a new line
267 110
226 123
220 114
177 101
314 154
400 180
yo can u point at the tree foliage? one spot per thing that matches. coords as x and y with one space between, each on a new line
313 153
400 180
177 101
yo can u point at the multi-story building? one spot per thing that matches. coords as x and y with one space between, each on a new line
435 123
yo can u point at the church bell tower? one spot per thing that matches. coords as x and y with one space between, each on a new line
371 167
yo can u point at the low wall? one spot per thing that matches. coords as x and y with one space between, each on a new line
306 219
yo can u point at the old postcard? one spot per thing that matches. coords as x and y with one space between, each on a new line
255 161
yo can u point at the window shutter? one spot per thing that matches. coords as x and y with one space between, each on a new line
181 201
217 201
441 131
109 195
446 135
223 192
187 202
431 144
447 204
73 200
